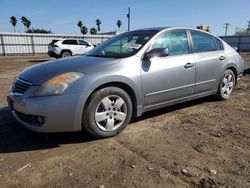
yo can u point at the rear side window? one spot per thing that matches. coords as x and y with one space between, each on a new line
70 42
81 42
53 42
203 42
219 44
175 41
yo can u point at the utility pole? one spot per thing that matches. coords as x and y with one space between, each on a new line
226 28
128 16
248 28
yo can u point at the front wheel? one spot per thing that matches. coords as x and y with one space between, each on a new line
226 86
107 112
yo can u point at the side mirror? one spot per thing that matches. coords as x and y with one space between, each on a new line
156 52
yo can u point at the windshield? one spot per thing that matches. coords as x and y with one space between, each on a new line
124 45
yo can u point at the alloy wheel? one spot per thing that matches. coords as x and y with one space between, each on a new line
227 85
110 113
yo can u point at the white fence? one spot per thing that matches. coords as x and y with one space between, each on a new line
32 43
241 42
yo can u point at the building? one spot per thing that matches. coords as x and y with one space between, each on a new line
204 28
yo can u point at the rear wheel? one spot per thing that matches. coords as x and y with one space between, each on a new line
66 54
108 112
226 86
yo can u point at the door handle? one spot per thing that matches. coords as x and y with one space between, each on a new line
222 58
189 65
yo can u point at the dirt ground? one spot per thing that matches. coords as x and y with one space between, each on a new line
203 143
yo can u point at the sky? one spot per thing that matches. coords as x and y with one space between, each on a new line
61 16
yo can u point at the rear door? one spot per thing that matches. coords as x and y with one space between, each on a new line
209 56
165 79
72 45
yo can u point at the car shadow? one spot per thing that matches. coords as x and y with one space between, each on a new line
247 71
172 108
39 60
15 138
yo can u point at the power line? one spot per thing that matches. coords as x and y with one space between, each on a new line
226 28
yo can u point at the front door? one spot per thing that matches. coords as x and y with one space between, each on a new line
83 47
166 79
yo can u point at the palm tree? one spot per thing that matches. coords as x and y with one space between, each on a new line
98 23
13 21
93 31
119 24
26 22
84 30
80 24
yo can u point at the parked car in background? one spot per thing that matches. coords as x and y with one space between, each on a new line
68 47
125 76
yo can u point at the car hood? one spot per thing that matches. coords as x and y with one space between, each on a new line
39 74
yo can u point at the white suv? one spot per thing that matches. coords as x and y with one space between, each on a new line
68 47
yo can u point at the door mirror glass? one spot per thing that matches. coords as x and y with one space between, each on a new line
156 52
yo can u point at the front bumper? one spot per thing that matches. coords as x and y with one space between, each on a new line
62 113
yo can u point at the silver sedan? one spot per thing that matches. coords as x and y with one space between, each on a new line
127 75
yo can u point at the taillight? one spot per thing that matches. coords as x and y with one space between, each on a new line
54 45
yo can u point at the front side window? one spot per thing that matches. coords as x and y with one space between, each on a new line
202 42
175 41
123 45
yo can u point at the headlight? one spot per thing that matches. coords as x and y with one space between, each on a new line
58 84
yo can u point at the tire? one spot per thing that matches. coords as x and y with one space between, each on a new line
107 112
66 54
226 85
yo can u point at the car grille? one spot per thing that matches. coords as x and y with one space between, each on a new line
20 86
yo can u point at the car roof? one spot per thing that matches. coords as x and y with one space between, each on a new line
152 29
61 39
163 28
159 29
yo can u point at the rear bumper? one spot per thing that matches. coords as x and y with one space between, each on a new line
53 54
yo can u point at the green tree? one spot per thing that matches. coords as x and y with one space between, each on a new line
98 23
119 24
26 23
93 31
38 31
84 30
241 31
24 20
13 21
80 25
